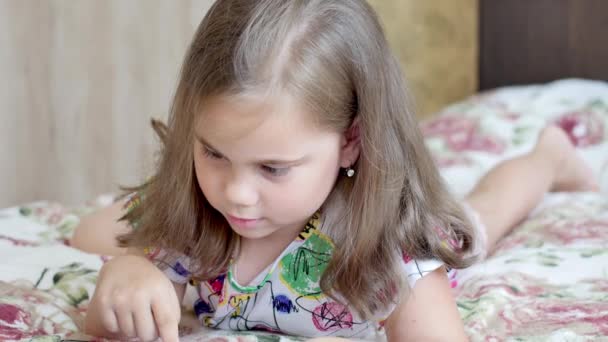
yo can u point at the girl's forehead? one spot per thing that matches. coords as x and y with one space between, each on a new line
247 120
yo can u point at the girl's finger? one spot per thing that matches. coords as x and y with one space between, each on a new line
125 322
144 325
166 321
109 321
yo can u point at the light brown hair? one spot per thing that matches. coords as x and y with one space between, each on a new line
331 56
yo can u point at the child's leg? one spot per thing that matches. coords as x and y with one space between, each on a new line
96 232
506 195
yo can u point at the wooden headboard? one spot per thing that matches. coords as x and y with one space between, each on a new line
534 41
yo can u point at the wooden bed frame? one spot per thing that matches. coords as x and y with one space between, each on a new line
535 41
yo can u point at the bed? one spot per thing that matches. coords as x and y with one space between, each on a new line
547 280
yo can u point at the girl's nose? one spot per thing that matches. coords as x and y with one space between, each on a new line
241 192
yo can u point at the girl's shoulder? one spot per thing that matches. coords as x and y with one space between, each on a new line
132 201
414 269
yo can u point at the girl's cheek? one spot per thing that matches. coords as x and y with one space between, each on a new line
204 177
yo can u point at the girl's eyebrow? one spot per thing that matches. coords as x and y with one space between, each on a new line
282 162
208 145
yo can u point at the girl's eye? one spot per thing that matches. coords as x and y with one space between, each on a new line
275 171
211 154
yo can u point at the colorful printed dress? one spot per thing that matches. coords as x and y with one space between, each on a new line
286 297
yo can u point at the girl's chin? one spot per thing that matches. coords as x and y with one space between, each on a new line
252 234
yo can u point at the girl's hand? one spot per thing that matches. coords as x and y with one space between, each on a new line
134 299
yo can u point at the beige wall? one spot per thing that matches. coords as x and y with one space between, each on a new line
436 41
80 81
82 78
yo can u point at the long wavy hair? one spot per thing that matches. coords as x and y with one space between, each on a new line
333 57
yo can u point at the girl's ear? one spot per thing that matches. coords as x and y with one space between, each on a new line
351 145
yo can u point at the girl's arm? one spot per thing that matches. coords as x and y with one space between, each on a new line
96 233
428 314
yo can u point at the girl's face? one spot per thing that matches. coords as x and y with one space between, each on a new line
266 167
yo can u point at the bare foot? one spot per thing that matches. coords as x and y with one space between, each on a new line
571 172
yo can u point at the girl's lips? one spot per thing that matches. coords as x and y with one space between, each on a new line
242 223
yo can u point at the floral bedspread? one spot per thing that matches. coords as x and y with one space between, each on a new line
548 280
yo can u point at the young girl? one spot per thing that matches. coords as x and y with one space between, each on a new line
295 192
